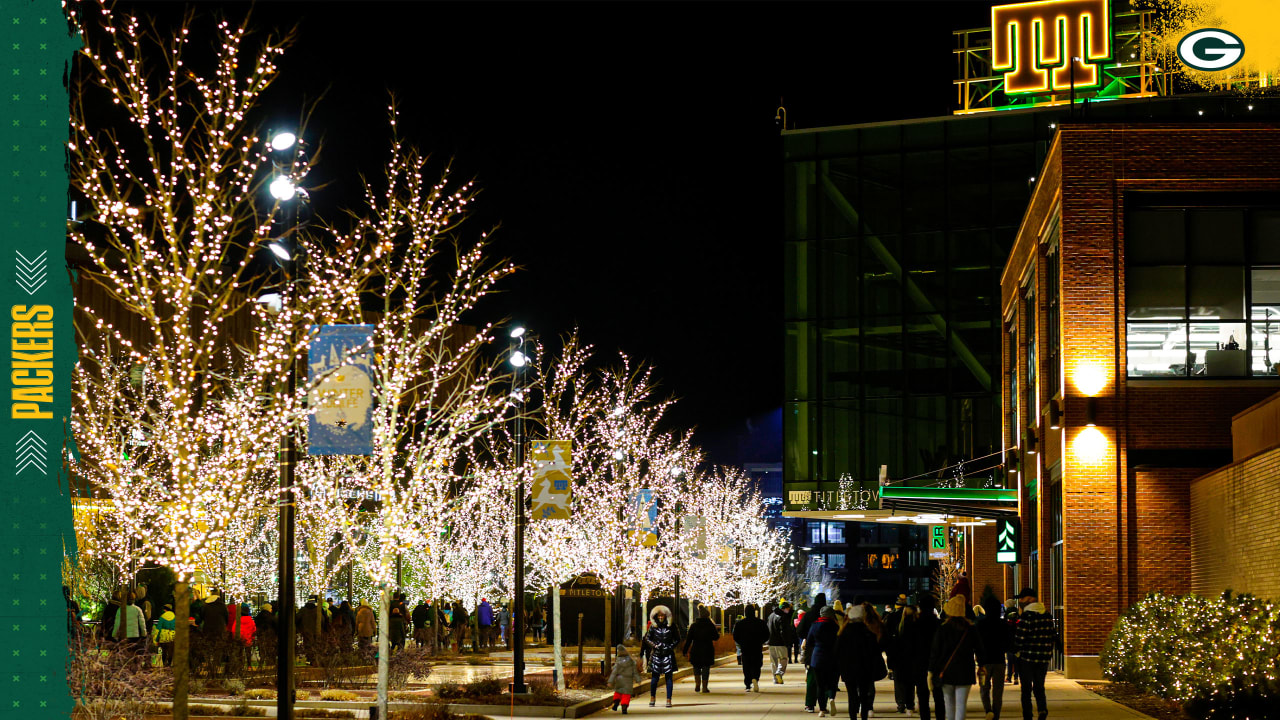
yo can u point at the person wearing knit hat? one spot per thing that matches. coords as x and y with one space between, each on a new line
956 646
821 657
1011 618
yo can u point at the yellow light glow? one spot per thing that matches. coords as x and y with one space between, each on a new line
1090 379
1090 446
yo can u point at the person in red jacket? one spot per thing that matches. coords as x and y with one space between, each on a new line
247 629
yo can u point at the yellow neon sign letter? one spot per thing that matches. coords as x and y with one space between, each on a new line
1033 44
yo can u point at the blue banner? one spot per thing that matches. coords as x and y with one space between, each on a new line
340 359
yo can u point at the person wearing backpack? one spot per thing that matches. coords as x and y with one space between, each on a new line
956 646
1034 638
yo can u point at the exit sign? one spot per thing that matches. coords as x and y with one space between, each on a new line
1007 541
938 542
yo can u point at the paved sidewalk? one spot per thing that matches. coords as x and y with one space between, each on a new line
1067 700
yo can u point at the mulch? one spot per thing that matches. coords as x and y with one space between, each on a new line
1143 702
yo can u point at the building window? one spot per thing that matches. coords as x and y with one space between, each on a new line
835 561
1032 314
1202 291
1011 350
815 533
835 533
1053 317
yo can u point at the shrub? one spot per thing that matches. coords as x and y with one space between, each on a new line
196 686
404 696
585 680
241 710
113 680
341 695
260 694
1214 657
301 695
541 689
484 687
426 711
233 686
244 709
408 663
450 691
319 713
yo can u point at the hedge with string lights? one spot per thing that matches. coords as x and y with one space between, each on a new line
1219 658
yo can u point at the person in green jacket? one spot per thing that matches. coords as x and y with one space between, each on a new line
162 634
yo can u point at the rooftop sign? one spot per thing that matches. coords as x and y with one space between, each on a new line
1051 45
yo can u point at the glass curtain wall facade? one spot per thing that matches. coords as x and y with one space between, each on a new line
896 235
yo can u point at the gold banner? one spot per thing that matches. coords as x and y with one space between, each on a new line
552 479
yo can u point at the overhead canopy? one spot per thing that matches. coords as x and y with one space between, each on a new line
986 503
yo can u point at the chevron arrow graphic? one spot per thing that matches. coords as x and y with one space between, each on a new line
1006 534
31 451
32 273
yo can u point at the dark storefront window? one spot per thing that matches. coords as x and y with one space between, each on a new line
1202 290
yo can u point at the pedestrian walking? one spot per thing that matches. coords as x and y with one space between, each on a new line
956 646
484 623
163 632
660 651
397 624
795 647
997 640
822 660
892 641
458 623
751 634
1011 619
699 648
920 647
782 636
861 658
1034 638
807 619
366 625
623 678
419 618
841 618
504 626
130 629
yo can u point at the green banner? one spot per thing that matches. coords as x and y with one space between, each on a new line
35 523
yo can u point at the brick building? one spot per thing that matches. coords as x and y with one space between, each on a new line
1137 304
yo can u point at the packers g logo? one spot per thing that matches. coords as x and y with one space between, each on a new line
1039 46
1210 50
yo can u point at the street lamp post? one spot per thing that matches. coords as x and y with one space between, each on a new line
518 361
678 473
282 189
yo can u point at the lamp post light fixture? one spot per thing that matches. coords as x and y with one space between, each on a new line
518 361
283 190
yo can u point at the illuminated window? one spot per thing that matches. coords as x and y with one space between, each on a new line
1202 291
835 561
835 533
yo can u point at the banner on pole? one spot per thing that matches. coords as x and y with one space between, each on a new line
696 527
645 511
552 479
340 363
750 562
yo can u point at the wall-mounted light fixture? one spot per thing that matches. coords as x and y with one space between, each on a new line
1055 415
1031 441
1091 411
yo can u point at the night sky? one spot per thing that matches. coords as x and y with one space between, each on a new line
628 150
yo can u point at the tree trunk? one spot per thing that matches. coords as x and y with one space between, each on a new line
181 648
558 651
435 626
384 648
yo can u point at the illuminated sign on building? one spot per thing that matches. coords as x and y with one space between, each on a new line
1052 45
1210 50
1007 541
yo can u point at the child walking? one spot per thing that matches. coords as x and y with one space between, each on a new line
623 678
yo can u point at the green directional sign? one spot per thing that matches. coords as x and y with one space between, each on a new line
937 542
1007 541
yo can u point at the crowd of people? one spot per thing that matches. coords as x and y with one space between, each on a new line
932 655
130 621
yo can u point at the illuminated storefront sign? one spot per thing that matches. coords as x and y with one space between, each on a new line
1051 46
1007 541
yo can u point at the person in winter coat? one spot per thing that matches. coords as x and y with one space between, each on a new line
130 628
109 615
919 646
841 618
458 623
782 636
366 625
899 661
956 646
821 658
861 660
214 617
1034 638
484 624
247 626
997 640
265 621
699 647
396 632
420 615
162 634
751 634
802 633
624 678
660 648
1011 662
